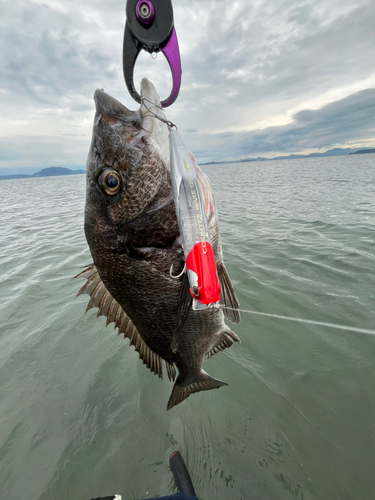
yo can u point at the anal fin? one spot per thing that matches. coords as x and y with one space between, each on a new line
226 339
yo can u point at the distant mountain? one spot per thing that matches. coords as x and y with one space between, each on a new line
51 171
45 172
363 151
330 152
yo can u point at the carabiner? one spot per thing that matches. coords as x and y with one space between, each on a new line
149 26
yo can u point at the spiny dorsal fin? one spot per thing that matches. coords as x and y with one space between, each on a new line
227 295
109 307
227 339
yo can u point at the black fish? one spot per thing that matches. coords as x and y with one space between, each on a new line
133 235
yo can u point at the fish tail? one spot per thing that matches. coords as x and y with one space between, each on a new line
181 392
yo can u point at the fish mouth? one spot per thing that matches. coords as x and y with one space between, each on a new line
134 127
111 109
126 124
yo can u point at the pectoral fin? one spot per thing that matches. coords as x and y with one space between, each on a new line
227 295
109 307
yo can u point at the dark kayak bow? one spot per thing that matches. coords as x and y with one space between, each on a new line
181 476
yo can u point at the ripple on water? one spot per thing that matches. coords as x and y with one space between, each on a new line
81 417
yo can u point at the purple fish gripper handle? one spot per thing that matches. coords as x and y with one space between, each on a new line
172 54
142 32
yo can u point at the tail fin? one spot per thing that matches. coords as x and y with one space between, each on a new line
180 392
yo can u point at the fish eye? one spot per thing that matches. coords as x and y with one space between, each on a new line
110 182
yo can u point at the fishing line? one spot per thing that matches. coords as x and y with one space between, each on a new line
308 321
169 123
276 316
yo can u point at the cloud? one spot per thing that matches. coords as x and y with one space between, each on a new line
336 123
247 65
26 151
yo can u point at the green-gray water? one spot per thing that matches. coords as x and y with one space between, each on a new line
81 417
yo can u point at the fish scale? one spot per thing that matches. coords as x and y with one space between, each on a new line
133 235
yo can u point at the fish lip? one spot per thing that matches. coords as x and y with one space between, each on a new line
115 114
108 105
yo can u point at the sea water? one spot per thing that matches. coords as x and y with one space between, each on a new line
81 417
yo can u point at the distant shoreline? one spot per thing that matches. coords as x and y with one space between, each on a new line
330 152
55 171
45 172
363 151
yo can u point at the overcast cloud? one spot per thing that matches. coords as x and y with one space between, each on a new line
260 78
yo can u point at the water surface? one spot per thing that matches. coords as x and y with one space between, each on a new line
81 417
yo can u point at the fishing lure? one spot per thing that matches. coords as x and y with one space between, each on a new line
193 224
150 26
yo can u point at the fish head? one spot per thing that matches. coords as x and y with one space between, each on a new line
127 171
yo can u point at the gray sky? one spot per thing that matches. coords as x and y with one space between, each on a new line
260 78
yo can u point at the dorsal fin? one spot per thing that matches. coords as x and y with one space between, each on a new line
227 295
226 339
109 307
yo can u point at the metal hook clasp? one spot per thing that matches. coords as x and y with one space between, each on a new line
149 26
